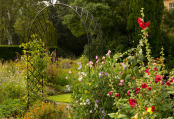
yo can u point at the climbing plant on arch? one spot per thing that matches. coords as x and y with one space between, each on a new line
47 25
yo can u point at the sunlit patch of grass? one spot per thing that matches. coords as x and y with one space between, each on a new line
60 98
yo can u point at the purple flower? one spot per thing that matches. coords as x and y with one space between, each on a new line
106 73
103 118
104 114
97 101
87 100
103 111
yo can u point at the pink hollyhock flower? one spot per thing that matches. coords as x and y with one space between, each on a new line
66 77
162 83
172 79
168 83
108 54
139 21
122 81
155 69
116 94
110 93
69 72
96 57
90 62
149 88
157 78
128 93
145 108
132 102
120 84
147 35
103 57
144 85
147 70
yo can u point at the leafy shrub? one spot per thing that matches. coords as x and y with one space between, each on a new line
46 111
12 108
130 84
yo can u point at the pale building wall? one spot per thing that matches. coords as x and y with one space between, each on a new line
166 3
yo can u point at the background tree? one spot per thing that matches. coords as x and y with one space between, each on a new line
153 10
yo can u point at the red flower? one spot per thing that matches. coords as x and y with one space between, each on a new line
132 102
110 93
145 108
149 88
155 69
144 85
153 108
147 71
144 25
168 83
137 89
157 78
116 94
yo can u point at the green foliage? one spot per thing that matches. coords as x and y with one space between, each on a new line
12 108
60 98
37 59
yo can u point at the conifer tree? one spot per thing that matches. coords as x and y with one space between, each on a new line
153 10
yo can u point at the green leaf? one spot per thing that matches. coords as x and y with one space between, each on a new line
170 92
112 115
121 116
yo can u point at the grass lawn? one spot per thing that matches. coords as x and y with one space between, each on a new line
60 98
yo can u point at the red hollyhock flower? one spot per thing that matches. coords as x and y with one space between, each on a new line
168 83
153 108
145 108
155 69
162 83
157 78
110 93
144 85
132 102
144 25
149 88
116 94
137 89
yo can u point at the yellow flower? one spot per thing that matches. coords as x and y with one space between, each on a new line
149 110
86 91
135 117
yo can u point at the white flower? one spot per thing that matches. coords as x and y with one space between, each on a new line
90 111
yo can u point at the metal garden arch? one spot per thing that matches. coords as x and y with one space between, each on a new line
40 25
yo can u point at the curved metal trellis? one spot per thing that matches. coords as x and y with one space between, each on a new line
51 16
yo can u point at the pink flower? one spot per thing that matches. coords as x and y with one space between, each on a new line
145 108
120 84
90 62
103 57
162 83
69 72
128 93
122 81
116 94
172 79
110 93
147 70
155 69
96 57
157 78
76 101
108 54
144 85
149 88
147 35
66 78
139 21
